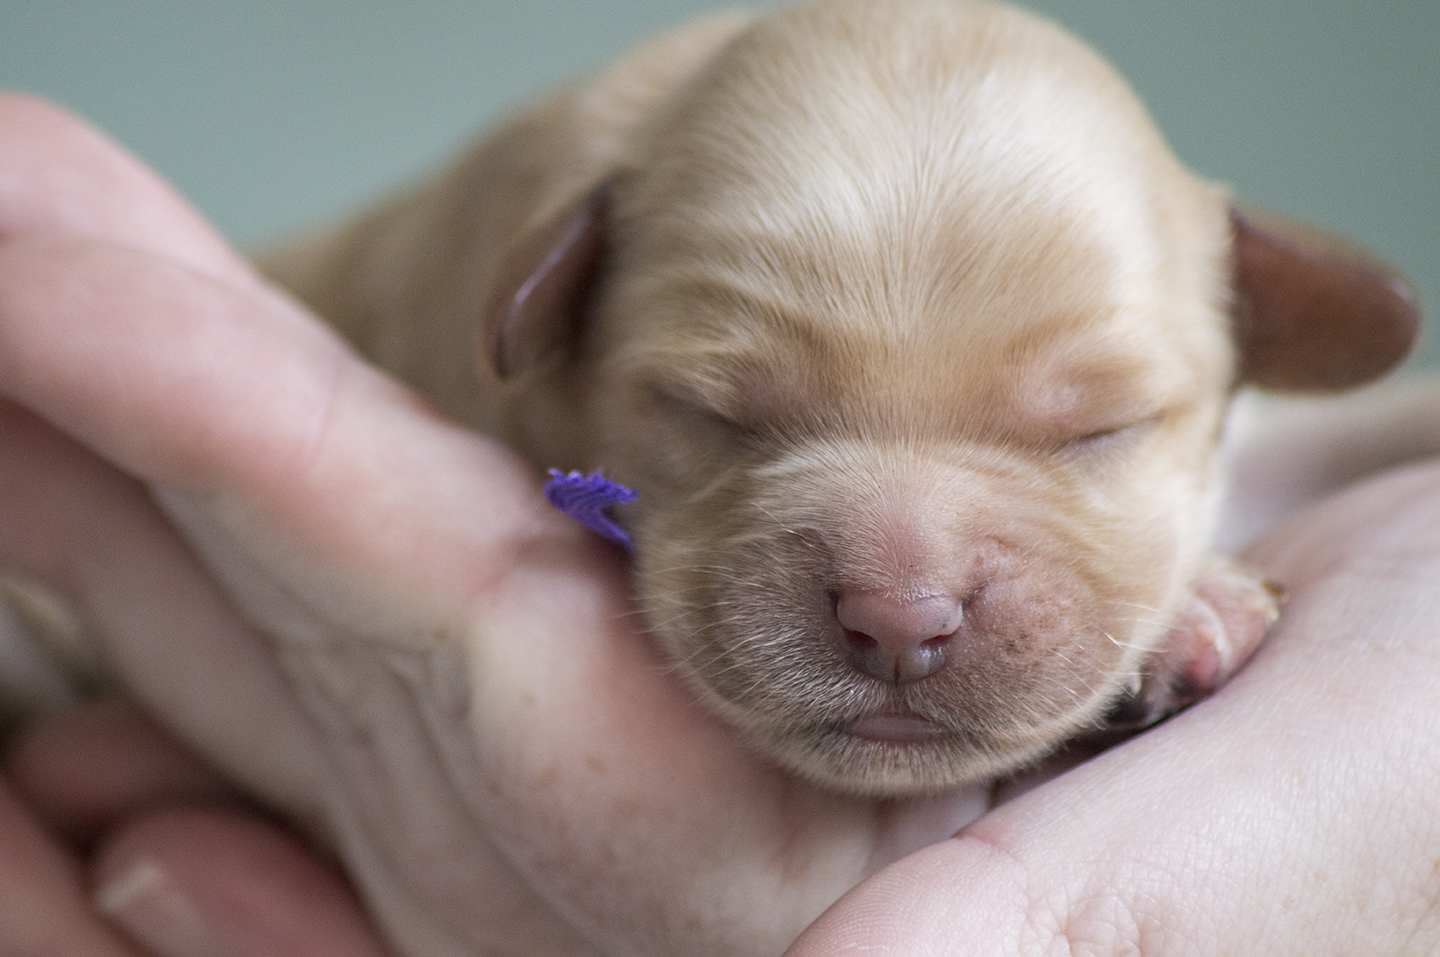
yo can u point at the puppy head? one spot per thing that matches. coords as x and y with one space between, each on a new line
916 341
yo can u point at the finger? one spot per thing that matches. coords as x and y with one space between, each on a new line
88 767
188 883
44 904
60 175
93 534
64 177
204 389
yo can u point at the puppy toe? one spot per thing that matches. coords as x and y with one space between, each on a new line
1216 632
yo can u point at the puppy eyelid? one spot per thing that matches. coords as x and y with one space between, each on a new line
1110 436
695 411
1109 432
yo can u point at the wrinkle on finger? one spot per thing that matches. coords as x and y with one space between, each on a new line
1050 915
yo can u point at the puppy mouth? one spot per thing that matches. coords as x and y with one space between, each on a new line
895 726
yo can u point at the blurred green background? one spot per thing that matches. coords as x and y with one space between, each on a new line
270 114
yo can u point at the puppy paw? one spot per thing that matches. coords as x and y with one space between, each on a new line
1215 633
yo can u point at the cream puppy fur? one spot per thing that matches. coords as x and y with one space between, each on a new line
916 342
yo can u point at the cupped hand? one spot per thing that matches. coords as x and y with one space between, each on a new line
366 615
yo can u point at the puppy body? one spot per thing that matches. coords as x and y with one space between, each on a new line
911 333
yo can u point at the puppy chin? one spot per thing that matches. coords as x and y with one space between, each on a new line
893 751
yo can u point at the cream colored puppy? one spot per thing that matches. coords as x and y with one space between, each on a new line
916 342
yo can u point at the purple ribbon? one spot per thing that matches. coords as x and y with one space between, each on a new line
585 498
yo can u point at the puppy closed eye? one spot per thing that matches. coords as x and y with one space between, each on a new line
700 423
1111 440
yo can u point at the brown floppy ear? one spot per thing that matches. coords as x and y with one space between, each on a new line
1312 312
545 282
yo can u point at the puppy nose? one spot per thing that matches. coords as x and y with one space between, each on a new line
897 640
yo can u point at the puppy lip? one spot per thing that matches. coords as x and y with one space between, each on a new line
895 726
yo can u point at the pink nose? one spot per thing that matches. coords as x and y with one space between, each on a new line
897 640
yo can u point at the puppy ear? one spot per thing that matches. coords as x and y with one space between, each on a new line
544 287
1312 312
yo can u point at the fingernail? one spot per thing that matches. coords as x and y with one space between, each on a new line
148 905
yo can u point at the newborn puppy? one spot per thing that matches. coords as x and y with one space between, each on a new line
916 342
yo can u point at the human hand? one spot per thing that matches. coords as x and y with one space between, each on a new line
391 638
366 615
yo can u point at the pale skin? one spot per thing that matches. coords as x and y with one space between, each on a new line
1290 814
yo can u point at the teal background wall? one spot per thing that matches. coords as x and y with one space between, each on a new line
270 114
